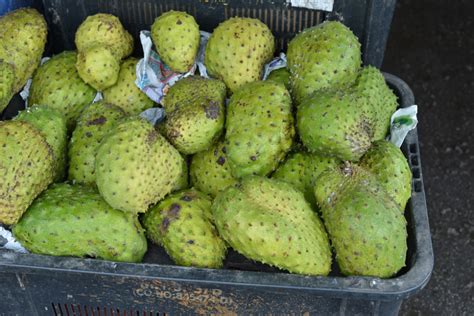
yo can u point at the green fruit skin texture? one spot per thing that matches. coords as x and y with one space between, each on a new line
176 37
57 84
98 66
366 227
136 166
183 180
237 51
52 126
269 221
125 93
27 168
183 224
282 76
326 56
195 113
95 122
71 220
210 172
390 167
7 82
259 128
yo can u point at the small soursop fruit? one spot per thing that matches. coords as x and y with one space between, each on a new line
210 172
326 56
71 220
183 224
7 82
95 122
195 113
98 66
176 37
237 51
125 93
136 166
52 126
57 85
26 165
269 221
259 128
281 75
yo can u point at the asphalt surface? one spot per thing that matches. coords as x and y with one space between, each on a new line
431 46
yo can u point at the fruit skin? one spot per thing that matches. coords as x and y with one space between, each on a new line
183 180
367 230
237 51
98 66
125 93
259 128
7 81
71 220
95 122
136 166
269 221
52 126
326 56
176 37
210 172
27 168
195 113
183 224
57 85
282 76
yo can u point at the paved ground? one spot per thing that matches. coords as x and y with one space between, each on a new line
431 46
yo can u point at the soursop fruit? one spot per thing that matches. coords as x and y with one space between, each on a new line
98 66
326 56
7 82
176 37
71 220
57 85
237 51
27 167
269 221
210 172
282 76
183 180
366 227
183 224
259 128
95 122
135 166
52 126
195 113
125 93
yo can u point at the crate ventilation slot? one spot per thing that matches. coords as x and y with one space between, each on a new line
84 310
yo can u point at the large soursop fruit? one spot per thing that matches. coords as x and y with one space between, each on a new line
237 51
183 224
136 166
57 85
26 165
71 220
326 56
176 37
270 221
95 122
259 128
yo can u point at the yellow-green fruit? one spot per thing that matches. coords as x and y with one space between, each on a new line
281 75
7 82
183 225
92 126
71 220
183 180
270 221
237 51
176 37
98 66
27 168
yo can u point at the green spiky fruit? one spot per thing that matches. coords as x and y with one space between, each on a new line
326 56
269 221
195 113
259 128
237 51
135 166
57 85
281 75
366 227
71 220
27 168
92 126
52 126
176 37
183 224
7 82
98 66
210 172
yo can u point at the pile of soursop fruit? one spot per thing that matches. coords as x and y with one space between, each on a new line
290 170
